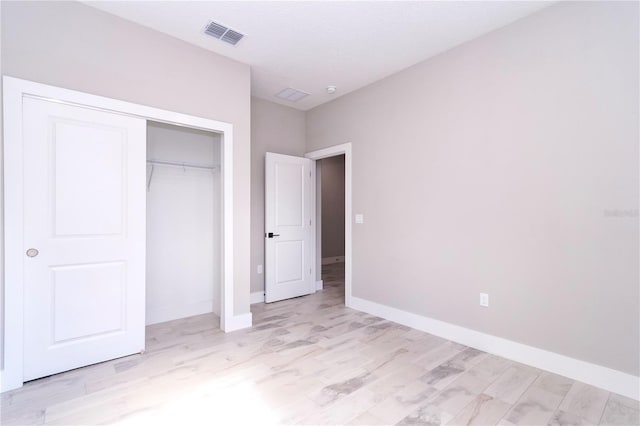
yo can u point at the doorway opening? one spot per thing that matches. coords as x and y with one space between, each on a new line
330 222
333 151
293 223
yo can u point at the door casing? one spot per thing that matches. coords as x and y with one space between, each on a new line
14 90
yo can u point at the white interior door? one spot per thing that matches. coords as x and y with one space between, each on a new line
84 231
289 193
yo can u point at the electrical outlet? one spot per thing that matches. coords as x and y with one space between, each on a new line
484 300
359 218
259 269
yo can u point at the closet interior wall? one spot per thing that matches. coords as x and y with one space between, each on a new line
184 223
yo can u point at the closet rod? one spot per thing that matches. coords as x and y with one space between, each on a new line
183 164
176 164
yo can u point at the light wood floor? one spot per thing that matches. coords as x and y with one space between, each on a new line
310 361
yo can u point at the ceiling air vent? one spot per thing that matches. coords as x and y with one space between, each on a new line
290 94
232 37
223 33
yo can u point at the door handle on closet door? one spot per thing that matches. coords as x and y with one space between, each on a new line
271 235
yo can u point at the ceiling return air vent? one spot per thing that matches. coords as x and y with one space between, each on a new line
290 94
223 33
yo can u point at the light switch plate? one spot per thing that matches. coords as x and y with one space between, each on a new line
259 269
484 300
359 218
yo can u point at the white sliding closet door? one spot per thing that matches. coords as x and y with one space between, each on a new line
84 231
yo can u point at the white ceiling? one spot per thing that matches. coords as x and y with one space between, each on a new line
309 45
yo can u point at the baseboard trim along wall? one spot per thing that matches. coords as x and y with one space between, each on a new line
238 322
256 297
592 374
333 259
169 313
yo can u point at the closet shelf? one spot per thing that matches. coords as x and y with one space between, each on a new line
181 165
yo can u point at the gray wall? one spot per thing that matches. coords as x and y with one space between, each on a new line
71 45
508 165
274 128
332 206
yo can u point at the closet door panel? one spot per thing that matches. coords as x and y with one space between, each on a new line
84 234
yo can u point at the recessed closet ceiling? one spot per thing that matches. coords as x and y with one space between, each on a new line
311 45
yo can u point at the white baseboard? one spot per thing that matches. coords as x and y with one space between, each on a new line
238 322
170 313
256 297
333 259
10 381
595 375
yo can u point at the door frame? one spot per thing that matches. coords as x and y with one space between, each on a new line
333 151
14 90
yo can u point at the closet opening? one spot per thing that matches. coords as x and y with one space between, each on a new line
184 223
80 204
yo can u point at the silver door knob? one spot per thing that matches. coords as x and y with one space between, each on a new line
32 252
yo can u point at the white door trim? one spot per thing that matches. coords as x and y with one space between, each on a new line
14 90
332 151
